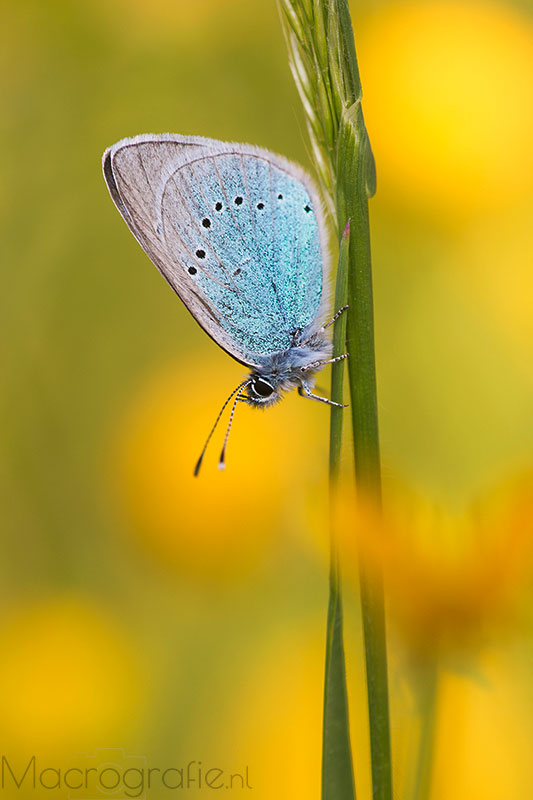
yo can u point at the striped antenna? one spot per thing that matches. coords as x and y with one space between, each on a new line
222 459
235 391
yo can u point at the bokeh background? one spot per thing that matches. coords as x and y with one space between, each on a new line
177 620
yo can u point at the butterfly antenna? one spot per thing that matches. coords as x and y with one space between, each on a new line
222 459
235 391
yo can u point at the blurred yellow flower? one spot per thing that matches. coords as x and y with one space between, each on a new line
448 100
484 732
220 523
276 723
69 678
452 580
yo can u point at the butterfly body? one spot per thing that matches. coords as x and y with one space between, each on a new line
238 233
290 369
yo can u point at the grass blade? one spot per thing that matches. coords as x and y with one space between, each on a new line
337 768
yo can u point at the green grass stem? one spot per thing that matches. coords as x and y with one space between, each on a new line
323 61
337 767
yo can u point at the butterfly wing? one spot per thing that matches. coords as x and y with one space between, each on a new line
235 230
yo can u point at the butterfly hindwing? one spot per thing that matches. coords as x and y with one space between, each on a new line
235 230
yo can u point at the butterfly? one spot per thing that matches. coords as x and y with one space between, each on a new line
239 234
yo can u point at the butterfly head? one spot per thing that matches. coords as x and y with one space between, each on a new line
283 371
262 391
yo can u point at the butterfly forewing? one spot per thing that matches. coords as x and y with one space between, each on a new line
235 230
199 222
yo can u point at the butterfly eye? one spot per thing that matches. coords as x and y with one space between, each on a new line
262 388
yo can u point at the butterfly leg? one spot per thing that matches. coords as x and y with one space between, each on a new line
305 391
324 327
320 364
335 318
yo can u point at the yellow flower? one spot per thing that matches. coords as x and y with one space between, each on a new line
452 580
483 737
69 678
220 523
276 724
448 100
276 718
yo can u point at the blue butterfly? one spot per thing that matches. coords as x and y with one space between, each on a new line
239 234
